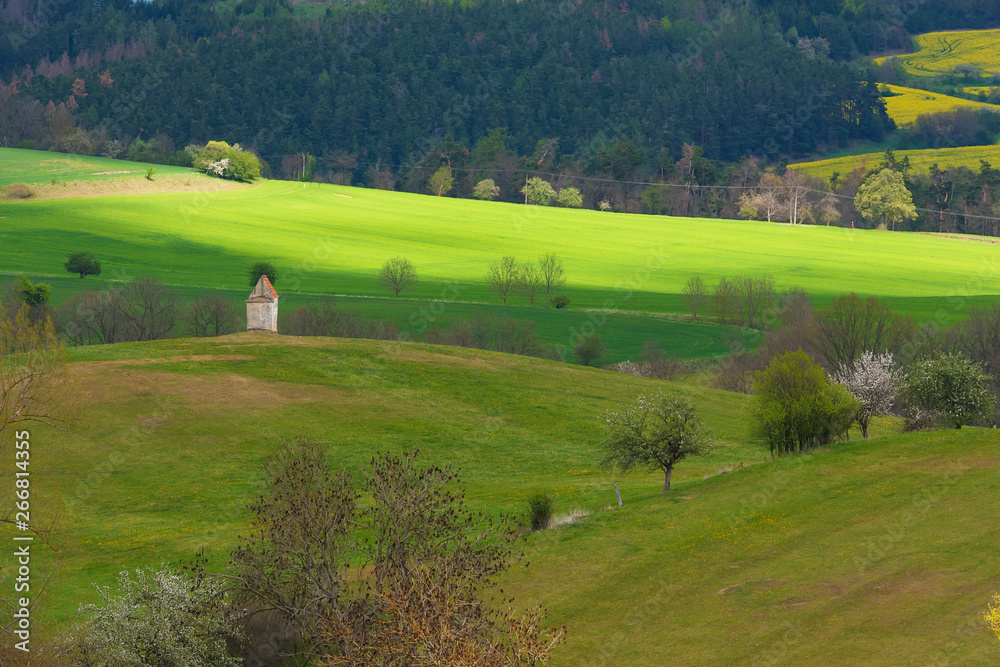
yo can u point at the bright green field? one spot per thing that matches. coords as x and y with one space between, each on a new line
940 52
908 103
24 166
771 564
333 239
920 160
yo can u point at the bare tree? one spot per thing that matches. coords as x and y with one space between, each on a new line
795 193
212 315
292 560
31 357
754 294
694 295
426 567
725 297
150 309
503 277
553 274
766 201
430 559
397 275
531 281
850 326
93 318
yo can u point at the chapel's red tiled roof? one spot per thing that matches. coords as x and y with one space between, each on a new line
267 282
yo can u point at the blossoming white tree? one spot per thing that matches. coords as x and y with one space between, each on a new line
159 617
874 382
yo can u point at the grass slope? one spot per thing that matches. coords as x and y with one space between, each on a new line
878 553
921 160
26 166
770 563
166 438
333 239
906 104
940 52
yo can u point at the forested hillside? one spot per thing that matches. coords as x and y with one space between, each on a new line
382 84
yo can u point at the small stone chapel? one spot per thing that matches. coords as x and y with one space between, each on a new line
262 307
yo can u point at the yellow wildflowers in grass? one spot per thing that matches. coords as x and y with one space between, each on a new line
992 616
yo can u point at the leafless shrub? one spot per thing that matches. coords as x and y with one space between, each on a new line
212 315
18 191
325 319
140 310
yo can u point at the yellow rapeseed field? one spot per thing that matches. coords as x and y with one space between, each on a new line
980 90
905 104
921 160
941 52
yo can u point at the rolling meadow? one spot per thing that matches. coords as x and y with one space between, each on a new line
747 560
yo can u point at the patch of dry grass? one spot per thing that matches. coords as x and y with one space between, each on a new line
168 183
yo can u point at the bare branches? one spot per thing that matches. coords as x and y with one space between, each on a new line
397 275
503 276
423 564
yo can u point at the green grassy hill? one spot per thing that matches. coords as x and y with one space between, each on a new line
768 564
333 239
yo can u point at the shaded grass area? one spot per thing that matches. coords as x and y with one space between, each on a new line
623 334
768 563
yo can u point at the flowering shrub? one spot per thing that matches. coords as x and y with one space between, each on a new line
217 158
159 617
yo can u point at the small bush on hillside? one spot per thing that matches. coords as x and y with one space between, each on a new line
540 504
560 301
18 191
590 350
798 407
950 386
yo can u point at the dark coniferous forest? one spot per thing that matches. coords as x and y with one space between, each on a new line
382 94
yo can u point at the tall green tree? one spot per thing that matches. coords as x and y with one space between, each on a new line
537 190
441 181
84 264
797 406
258 269
884 197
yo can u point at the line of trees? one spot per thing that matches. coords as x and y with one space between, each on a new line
507 277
